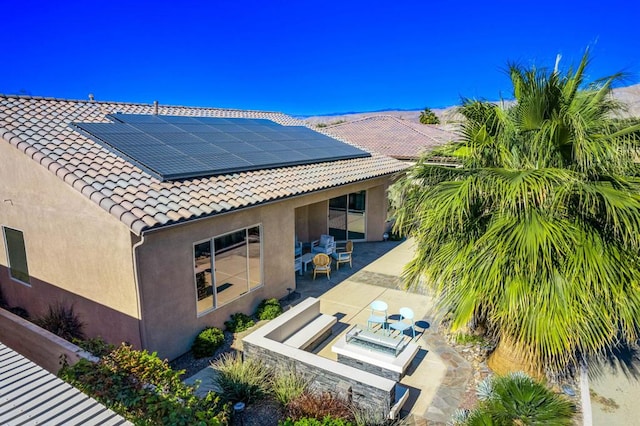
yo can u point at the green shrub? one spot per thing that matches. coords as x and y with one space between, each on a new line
517 399
319 406
288 385
464 338
96 346
62 321
144 389
268 309
239 322
245 381
310 421
206 343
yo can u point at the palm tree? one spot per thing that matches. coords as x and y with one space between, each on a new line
538 234
517 399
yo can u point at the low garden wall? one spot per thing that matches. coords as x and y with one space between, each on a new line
376 394
37 344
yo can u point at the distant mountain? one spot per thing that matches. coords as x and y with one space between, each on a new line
630 95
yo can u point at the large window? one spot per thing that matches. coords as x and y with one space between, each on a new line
236 262
347 216
16 254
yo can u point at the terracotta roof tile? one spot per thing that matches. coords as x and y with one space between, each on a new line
40 128
392 136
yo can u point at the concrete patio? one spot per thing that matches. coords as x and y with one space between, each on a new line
437 377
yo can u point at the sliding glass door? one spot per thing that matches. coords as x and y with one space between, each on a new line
347 216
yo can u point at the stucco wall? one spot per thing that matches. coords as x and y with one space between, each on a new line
40 346
76 252
165 263
80 254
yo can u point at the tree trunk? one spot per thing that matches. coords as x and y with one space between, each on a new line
507 358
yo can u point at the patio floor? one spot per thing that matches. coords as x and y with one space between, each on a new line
438 376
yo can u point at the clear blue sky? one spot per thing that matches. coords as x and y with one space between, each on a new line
303 57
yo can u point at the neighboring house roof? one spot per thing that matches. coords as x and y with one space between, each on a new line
40 128
392 136
31 395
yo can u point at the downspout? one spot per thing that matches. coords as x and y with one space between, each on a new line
136 279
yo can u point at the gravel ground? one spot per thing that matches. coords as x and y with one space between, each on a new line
192 365
262 413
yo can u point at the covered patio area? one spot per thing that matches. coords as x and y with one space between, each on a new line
438 376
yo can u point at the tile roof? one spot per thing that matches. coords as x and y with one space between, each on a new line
392 136
30 395
39 127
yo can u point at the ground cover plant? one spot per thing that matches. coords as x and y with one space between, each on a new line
207 341
306 421
96 346
144 389
537 236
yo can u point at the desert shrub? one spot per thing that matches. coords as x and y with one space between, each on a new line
268 309
319 406
61 320
245 381
310 421
239 322
365 416
288 385
96 346
144 389
517 399
206 343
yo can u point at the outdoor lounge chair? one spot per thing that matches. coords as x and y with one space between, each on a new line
321 265
326 244
406 322
378 314
343 255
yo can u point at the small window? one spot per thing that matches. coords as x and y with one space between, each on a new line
16 254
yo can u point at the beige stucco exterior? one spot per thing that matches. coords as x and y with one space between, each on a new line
77 253
165 261
142 289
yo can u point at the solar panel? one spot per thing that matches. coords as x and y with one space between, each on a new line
181 147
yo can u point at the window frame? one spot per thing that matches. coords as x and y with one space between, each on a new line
347 197
8 256
211 241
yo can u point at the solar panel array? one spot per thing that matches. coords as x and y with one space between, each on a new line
178 147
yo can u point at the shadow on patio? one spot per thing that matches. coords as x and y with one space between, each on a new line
364 255
438 376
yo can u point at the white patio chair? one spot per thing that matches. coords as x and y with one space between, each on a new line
326 244
378 314
298 247
405 322
343 255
